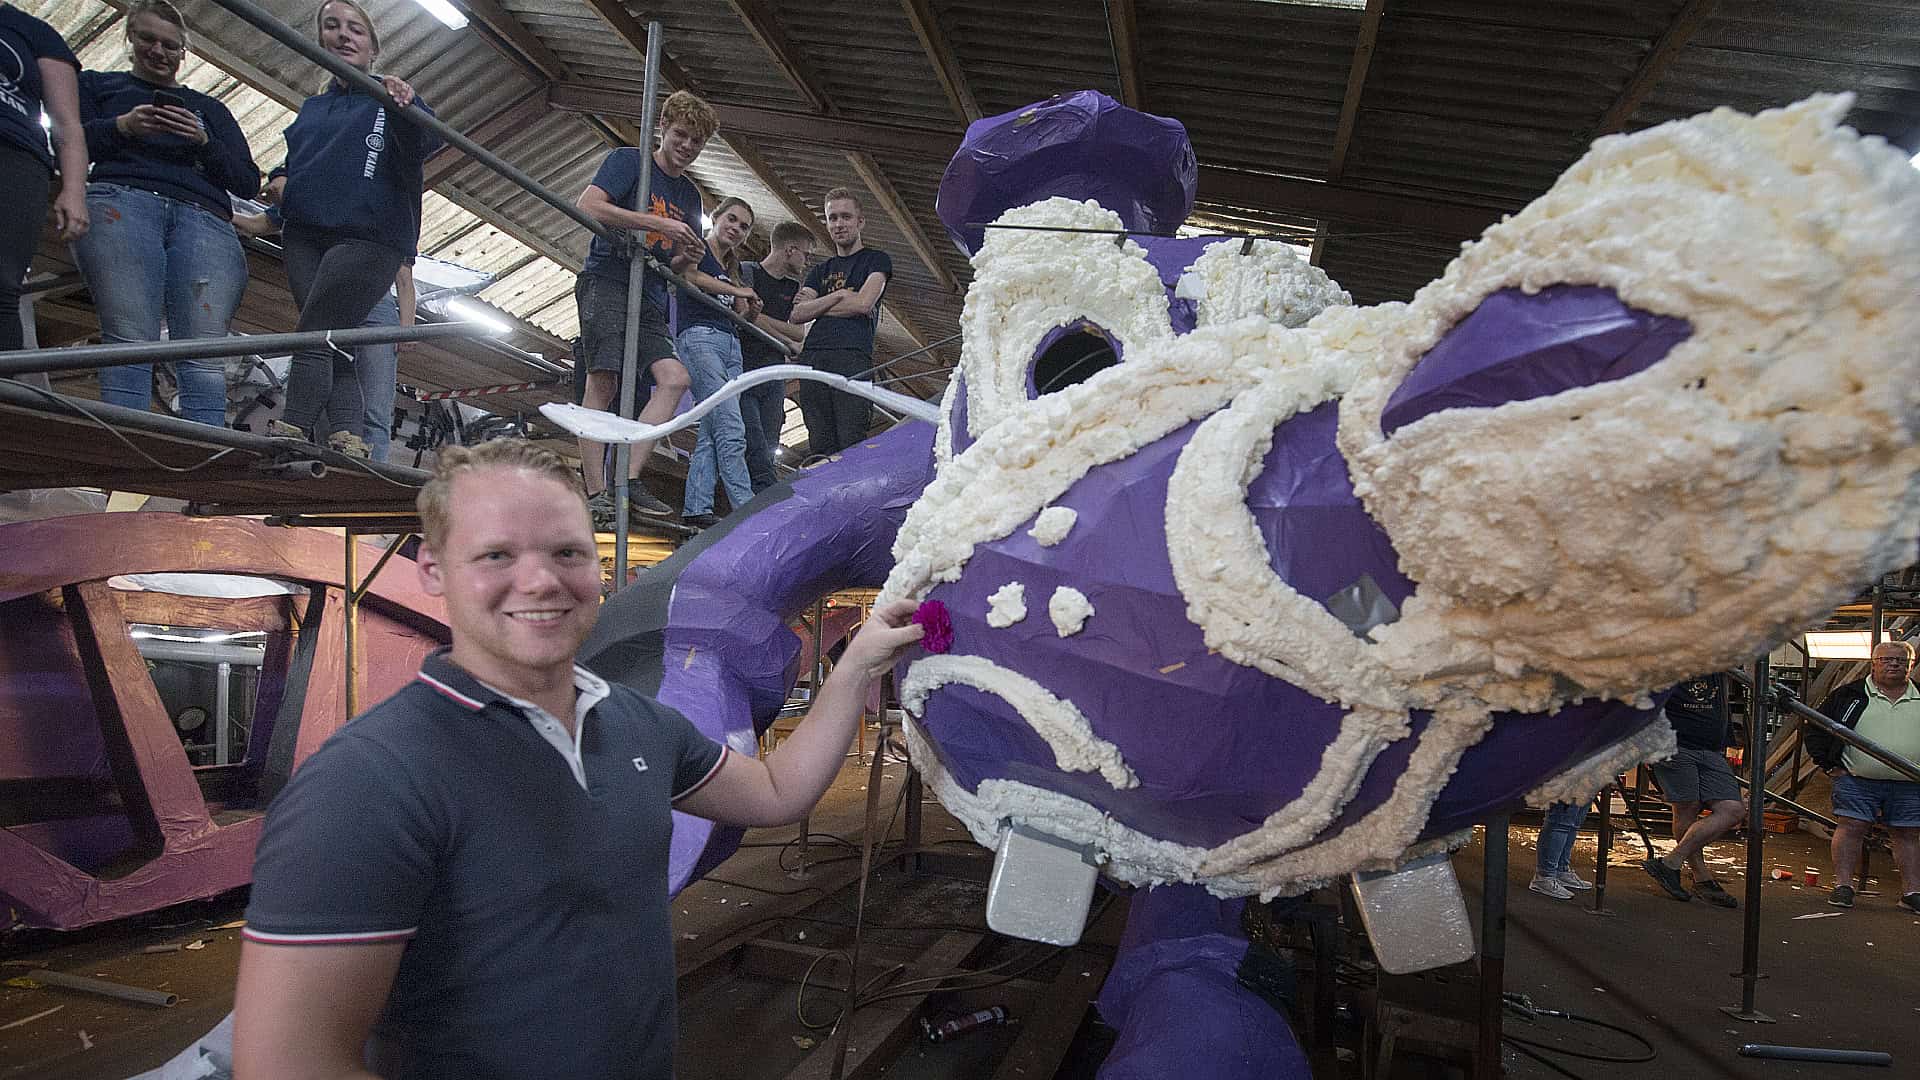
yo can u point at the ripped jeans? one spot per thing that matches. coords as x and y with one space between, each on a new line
149 259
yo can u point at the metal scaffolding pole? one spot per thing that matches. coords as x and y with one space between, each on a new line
1756 841
636 291
89 357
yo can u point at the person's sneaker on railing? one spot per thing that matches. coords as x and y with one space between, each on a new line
642 501
350 445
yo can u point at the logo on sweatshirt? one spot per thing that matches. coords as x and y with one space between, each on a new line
376 142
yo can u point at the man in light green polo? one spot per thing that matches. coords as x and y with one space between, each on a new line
1885 708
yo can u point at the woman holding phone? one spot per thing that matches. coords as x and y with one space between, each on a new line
352 220
162 247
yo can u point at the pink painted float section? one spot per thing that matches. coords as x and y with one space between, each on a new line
81 719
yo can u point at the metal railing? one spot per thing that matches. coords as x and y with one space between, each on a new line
1784 697
119 354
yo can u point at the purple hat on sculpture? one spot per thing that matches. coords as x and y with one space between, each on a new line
1083 145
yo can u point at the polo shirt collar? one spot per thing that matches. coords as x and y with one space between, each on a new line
1873 690
453 682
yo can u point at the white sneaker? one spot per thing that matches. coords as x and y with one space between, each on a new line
1573 881
1547 886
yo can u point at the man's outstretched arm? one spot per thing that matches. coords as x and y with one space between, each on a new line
784 787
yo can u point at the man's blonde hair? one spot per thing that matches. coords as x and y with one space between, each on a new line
841 194
435 499
689 112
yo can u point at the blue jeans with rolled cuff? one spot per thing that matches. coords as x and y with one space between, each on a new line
712 356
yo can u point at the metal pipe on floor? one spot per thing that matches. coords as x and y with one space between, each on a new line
1817 1053
119 354
1493 949
137 994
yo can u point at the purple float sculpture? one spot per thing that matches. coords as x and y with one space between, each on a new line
1275 589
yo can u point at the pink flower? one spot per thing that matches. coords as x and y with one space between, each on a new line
939 625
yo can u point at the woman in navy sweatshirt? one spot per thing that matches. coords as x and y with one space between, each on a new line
162 245
37 70
352 219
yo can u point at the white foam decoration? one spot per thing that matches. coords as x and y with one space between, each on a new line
1069 609
1007 605
1579 783
1027 284
1271 282
1057 721
1717 501
1053 525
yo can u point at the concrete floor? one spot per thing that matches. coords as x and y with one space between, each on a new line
1664 968
1658 966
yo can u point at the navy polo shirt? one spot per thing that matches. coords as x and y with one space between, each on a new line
24 42
534 911
667 196
169 165
846 272
356 171
1694 710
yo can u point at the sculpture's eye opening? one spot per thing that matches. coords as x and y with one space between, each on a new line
1070 354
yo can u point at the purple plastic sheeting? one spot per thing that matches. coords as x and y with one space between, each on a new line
729 652
1174 994
1517 346
1170 257
1217 746
1082 145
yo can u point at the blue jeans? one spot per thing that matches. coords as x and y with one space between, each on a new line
378 368
148 258
764 409
1556 836
712 356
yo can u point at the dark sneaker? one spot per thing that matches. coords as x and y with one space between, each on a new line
1669 879
1712 893
642 501
701 521
1842 896
600 505
1911 902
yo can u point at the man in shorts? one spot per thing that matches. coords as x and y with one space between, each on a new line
1696 777
1885 708
670 229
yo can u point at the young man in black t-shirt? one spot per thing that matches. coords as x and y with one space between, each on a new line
842 299
776 279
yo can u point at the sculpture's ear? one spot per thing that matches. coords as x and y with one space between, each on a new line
1518 346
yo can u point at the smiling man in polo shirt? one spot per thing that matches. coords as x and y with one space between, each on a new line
470 879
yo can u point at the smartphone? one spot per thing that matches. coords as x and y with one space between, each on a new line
168 97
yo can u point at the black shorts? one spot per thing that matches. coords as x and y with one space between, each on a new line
602 303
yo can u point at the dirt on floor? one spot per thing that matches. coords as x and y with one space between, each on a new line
1834 978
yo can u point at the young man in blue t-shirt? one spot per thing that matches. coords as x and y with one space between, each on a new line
842 299
670 228
470 880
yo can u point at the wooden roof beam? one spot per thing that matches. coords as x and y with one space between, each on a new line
1123 31
508 35
1654 65
505 124
946 64
760 22
883 192
634 33
1356 85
